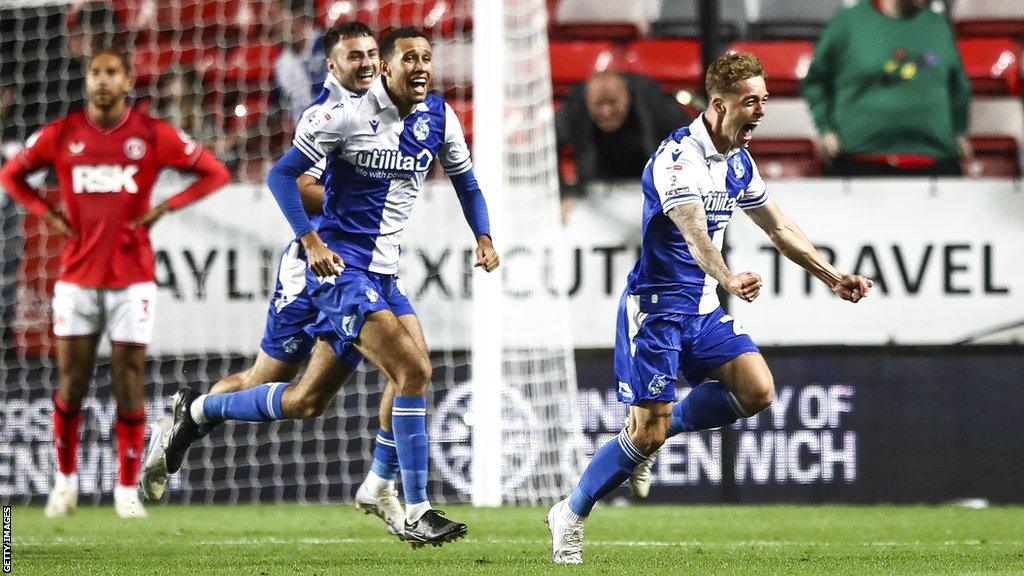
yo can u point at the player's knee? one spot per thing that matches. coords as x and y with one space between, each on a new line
74 386
414 378
759 394
648 440
127 375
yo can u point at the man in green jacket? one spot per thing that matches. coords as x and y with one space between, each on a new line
888 92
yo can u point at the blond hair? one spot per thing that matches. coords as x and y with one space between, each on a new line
730 68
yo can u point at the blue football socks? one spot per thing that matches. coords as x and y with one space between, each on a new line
385 455
259 404
409 425
611 465
709 405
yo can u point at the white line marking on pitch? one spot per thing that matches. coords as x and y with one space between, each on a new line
264 540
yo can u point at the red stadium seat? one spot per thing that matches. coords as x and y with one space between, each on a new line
997 134
600 20
781 159
676 64
991 64
785 62
152 60
573 62
989 18
785 145
199 13
447 17
251 64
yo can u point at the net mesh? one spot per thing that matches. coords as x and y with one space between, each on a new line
208 67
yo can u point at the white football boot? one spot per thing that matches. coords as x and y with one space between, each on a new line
384 505
566 535
63 498
153 475
127 503
640 481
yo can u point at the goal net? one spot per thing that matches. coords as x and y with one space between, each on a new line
207 66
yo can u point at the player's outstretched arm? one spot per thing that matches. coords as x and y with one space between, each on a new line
692 221
791 241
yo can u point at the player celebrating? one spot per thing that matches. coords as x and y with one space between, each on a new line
352 62
379 150
107 158
669 315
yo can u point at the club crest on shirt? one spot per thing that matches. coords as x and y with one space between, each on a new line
134 148
737 167
76 148
421 129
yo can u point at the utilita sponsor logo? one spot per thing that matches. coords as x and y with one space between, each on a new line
393 161
104 178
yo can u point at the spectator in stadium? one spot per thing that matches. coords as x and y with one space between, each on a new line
179 101
107 158
294 87
888 92
612 123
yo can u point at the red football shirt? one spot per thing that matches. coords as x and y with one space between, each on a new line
106 177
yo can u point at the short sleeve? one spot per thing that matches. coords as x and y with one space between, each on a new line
321 132
756 193
175 148
455 157
676 176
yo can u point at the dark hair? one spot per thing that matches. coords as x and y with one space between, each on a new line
344 31
387 44
124 58
730 68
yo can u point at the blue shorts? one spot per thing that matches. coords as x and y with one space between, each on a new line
288 335
651 348
346 300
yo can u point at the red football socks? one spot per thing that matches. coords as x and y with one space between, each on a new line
66 420
130 430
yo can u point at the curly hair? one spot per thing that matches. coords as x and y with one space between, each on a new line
730 68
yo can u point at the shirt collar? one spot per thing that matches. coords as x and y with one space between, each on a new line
333 86
699 131
380 95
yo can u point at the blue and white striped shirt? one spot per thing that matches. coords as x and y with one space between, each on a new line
687 169
377 164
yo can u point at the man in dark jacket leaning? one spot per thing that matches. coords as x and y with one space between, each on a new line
613 122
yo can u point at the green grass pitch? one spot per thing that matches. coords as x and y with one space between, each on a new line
290 540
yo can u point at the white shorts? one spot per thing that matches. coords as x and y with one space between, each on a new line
125 313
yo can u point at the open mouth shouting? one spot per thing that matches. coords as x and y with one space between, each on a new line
747 130
418 85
